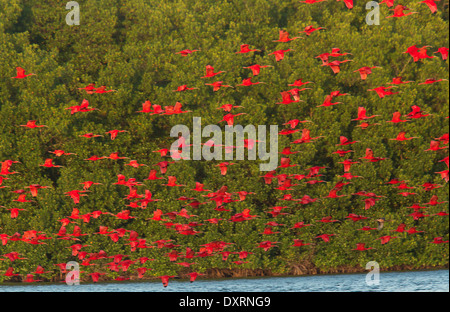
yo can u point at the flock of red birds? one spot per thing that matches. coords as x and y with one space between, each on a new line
222 197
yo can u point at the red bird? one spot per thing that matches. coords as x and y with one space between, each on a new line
279 54
362 114
20 73
401 137
348 3
217 85
431 81
381 91
386 239
344 141
284 37
431 5
398 81
286 98
435 146
256 69
245 49
396 118
361 247
115 132
186 52
165 279
31 124
184 88
299 83
369 156
224 167
210 72
365 71
335 65
248 82
439 240
444 52
229 118
325 237
193 276
389 3
398 11
49 164
310 29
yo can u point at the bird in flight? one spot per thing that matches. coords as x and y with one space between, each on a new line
20 73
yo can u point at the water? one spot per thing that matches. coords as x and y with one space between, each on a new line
418 281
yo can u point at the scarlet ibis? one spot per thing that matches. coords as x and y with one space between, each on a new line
365 71
248 82
335 65
434 201
115 132
306 137
431 81
165 279
266 245
224 167
439 240
193 276
279 54
284 37
210 72
369 156
299 83
325 237
89 87
217 85
90 135
20 73
344 141
312 1
416 113
101 90
401 137
10 272
413 230
383 91
389 3
362 247
49 164
310 29
328 102
435 146
348 163
256 68
385 239
348 3
444 52
30 279
431 5
245 49
186 52
31 124
184 88
229 118
398 11
398 81
286 98
396 118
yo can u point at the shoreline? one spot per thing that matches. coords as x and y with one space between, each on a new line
227 274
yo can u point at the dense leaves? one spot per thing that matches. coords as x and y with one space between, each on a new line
131 47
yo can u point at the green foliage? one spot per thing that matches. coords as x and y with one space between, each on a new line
130 46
